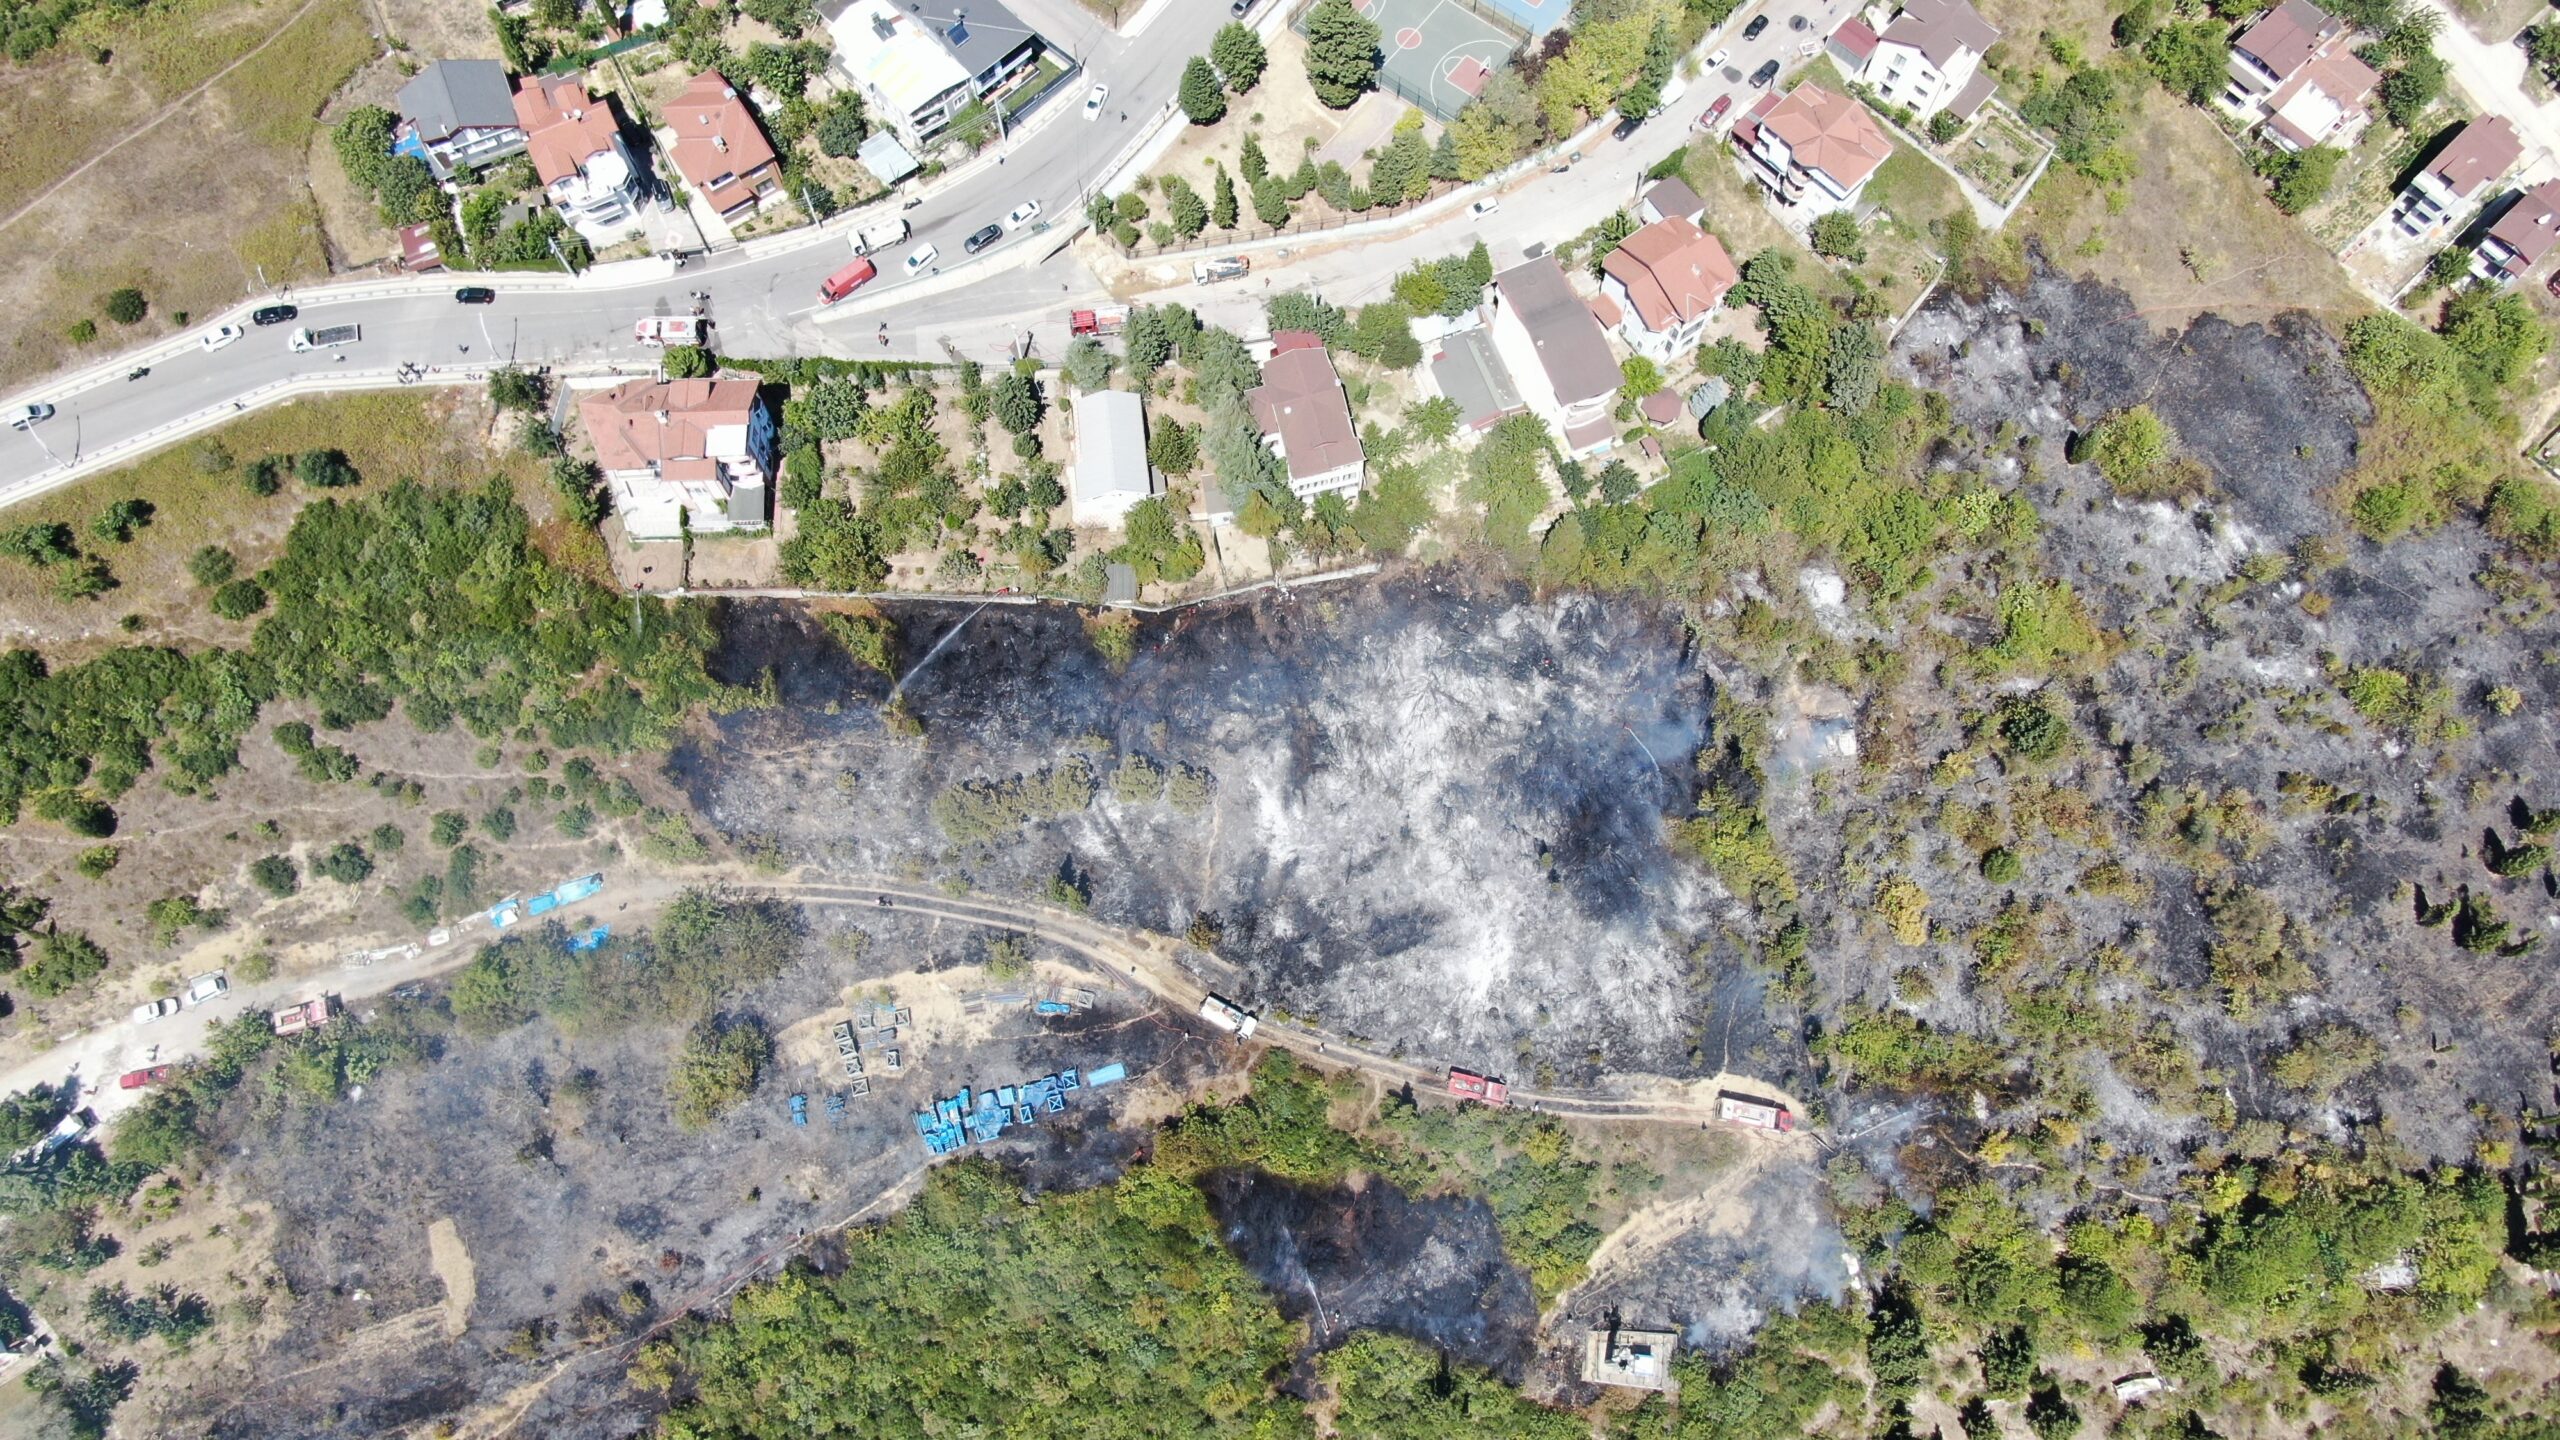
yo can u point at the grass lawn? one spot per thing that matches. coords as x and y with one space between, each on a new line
433 436
191 209
1912 198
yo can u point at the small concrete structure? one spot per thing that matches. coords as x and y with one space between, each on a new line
1629 1359
1111 470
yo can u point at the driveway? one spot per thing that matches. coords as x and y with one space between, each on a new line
2494 77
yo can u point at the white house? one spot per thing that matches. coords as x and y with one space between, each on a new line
1813 148
1111 471
1665 281
1930 56
2479 154
577 149
1306 418
1556 353
684 454
908 80
2295 72
458 115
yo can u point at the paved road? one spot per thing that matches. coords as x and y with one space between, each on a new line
2494 76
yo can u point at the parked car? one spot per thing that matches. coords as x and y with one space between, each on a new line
1715 113
150 1010
1752 30
27 417
1484 207
1716 61
924 255
272 314
1238 7
209 986
1093 99
221 335
136 1079
1627 127
1022 214
476 295
1761 77
985 236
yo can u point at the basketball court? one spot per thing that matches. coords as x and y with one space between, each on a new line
1439 54
1536 16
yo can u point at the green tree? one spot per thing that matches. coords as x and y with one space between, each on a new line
1271 201
1250 162
513 389
1838 235
1017 403
719 1066
2128 446
1202 99
126 306
1183 207
1087 364
1237 51
1342 53
120 519
238 599
346 863
1435 419
2188 57
843 128
2302 178
211 566
1222 201
276 875
1172 449
685 362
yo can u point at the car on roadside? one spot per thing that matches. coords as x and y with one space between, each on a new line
221 335
212 985
925 255
1716 61
272 314
153 1075
1484 207
1761 77
28 417
1714 114
1752 30
1627 127
981 238
475 295
1093 99
1022 214
1237 8
150 1010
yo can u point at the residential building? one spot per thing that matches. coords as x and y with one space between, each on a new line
1466 370
1929 56
2521 237
907 80
1111 471
1852 45
1306 418
1665 280
419 253
2295 72
984 37
719 148
1812 148
2478 155
458 115
1668 197
1556 354
684 455
577 149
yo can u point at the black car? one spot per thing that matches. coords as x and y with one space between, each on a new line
1752 30
1761 77
272 315
983 239
476 295
1628 126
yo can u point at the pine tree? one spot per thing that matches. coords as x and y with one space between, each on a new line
1202 100
1222 203
1182 206
1239 56
1251 162
1342 53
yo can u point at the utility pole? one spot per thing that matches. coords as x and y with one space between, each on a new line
570 269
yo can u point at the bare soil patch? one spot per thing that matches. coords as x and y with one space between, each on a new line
452 1260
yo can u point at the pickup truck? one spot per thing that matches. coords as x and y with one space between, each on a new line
879 235
1210 272
327 337
309 1015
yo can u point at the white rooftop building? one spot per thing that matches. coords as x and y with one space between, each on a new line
1111 471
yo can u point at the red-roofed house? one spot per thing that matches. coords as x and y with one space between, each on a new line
1306 419
2521 237
2478 155
684 454
1853 45
577 149
2295 72
1813 148
1666 279
1929 55
719 149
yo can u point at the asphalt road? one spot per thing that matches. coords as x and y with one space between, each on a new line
766 303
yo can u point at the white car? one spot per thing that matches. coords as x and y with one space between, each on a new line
150 1010
1716 61
210 986
1093 99
1484 207
925 255
1023 214
221 335
27 417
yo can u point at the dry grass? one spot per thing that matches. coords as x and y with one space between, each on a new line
187 212
2192 232
433 436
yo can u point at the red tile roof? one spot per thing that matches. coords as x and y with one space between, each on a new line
717 140
1940 28
2289 35
2531 225
1830 133
563 125
626 424
1300 399
1673 271
1854 39
2482 151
